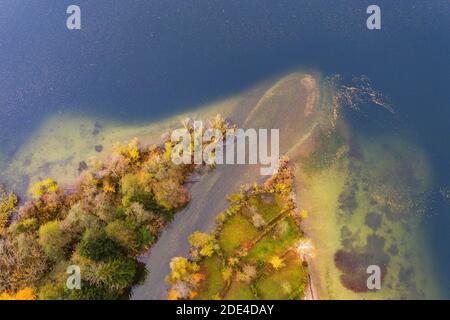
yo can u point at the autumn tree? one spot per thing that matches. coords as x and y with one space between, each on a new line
78 220
53 240
281 229
247 274
181 269
306 249
132 151
124 235
22 262
277 262
48 207
24 294
136 213
43 187
258 220
8 202
54 286
203 243
29 225
137 188
170 195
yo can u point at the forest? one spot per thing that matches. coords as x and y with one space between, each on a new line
112 213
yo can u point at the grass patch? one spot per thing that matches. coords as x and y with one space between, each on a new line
285 284
268 205
256 246
236 231
212 267
274 243
240 291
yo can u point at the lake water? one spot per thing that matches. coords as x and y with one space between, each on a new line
141 60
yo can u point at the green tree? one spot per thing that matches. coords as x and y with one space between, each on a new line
137 188
53 240
116 274
91 291
96 245
23 226
8 204
122 234
54 285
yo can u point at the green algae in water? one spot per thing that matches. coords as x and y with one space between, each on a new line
65 144
366 209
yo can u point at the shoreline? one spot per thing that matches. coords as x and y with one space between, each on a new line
62 142
223 180
59 136
325 226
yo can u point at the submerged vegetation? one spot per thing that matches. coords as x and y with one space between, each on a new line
326 151
368 200
253 251
112 213
367 195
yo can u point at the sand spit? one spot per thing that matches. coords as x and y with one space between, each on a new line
302 107
280 106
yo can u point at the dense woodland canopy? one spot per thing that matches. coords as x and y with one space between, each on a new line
113 212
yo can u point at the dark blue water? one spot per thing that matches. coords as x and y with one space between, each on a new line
142 60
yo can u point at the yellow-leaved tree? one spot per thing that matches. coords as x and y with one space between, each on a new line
24 294
42 187
277 262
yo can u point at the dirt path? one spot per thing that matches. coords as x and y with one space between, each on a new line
208 199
